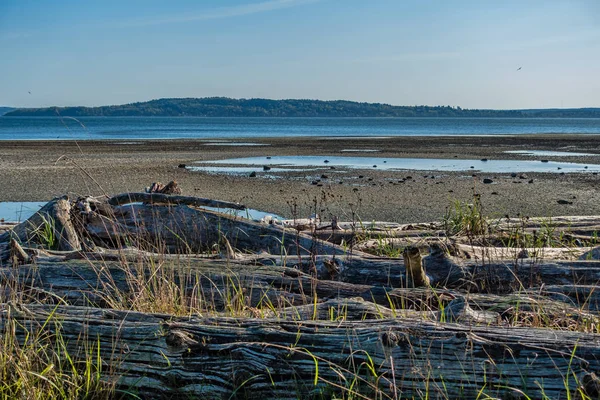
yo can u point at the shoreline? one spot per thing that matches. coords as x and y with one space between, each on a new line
41 170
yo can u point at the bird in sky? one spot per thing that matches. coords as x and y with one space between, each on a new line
29 92
518 69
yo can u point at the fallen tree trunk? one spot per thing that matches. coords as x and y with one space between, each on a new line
443 271
226 285
159 198
267 358
185 230
213 283
161 228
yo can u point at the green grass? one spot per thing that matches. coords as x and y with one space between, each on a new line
467 219
35 363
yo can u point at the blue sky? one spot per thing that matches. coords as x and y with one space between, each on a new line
459 53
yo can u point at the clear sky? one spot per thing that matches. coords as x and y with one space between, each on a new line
404 52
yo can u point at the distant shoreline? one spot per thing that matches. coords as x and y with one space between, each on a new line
228 107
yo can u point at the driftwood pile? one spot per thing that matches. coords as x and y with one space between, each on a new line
304 310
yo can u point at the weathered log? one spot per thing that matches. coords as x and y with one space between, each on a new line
186 230
159 355
159 198
536 307
444 271
586 297
174 228
478 252
213 282
581 227
218 285
583 224
358 234
508 253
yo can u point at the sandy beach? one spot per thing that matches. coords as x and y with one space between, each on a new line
38 171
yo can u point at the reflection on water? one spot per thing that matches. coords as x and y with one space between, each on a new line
380 163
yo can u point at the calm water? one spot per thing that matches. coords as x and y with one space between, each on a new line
278 164
53 128
18 211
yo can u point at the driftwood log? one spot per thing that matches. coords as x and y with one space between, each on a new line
98 282
218 358
164 228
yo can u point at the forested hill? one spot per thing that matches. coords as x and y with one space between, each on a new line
226 107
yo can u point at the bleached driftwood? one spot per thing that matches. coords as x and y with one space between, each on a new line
160 355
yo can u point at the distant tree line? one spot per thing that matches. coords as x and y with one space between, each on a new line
227 107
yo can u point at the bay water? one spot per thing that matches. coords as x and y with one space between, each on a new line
138 128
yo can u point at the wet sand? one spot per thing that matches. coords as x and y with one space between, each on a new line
38 171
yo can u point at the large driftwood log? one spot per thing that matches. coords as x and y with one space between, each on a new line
187 230
585 225
213 284
159 198
443 271
268 358
163 228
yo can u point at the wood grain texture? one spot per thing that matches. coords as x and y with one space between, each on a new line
269 358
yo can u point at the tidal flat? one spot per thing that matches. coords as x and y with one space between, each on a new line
40 170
